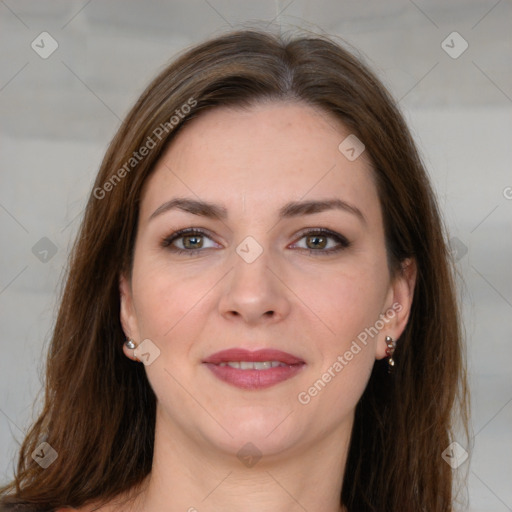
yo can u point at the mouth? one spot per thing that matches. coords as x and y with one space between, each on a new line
253 370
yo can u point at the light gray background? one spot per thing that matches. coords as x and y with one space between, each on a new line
58 115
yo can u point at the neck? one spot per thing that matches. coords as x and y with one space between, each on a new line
187 478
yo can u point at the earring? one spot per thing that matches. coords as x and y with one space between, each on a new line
389 352
130 344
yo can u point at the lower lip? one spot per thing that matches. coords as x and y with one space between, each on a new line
254 379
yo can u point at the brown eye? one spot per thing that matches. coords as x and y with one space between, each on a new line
322 242
316 242
192 241
189 241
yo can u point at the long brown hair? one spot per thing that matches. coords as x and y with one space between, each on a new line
99 409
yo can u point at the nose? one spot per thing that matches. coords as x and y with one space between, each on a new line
253 293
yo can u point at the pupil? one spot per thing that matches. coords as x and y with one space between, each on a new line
195 240
316 238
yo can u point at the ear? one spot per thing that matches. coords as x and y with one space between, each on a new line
398 304
128 315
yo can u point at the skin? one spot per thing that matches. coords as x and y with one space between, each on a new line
253 162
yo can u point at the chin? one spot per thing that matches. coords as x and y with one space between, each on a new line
261 426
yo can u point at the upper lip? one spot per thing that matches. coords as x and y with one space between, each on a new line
241 354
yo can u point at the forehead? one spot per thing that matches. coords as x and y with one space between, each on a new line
269 153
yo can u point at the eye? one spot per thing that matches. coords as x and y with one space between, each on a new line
323 241
189 241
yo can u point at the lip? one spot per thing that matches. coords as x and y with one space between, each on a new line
257 356
254 379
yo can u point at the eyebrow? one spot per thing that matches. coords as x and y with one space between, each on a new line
201 208
296 208
289 210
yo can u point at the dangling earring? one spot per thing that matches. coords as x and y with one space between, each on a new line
389 352
130 344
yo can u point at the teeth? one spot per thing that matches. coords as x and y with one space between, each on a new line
250 365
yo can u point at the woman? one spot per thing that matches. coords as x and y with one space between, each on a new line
260 309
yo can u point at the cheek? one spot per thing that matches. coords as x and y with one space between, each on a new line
162 298
350 306
349 301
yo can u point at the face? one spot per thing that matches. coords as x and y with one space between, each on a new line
288 255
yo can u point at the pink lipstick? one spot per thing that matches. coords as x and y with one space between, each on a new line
253 370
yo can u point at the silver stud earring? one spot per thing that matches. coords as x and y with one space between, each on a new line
389 352
130 344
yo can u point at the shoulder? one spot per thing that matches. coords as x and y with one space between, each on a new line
81 509
85 508
27 508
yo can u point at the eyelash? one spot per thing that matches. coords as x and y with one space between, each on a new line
340 239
